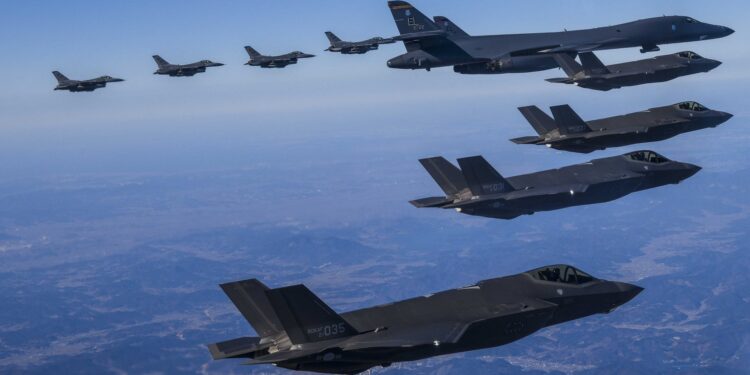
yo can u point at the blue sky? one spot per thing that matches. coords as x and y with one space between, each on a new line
155 123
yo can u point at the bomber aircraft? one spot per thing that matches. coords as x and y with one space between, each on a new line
351 48
591 73
567 131
187 70
72 85
478 189
280 61
298 331
431 44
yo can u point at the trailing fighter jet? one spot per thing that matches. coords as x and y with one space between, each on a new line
256 59
72 85
568 132
298 331
592 74
187 70
350 48
478 189
430 44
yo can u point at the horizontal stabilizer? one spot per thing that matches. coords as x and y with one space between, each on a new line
305 317
431 202
526 140
482 178
559 80
236 348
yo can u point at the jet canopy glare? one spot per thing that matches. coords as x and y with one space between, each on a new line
690 20
561 273
690 55
692 106
647 157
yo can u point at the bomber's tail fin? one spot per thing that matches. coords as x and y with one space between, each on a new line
568 121
409 19
249 296
446 24
447 175
332 37
159 60
251 51
60 77
482 178
540 121
305 317
569 65
592 64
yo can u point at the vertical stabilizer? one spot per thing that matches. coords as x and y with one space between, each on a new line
482 178
568 121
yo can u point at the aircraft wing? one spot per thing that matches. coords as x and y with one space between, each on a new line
520 194
567 48
426 334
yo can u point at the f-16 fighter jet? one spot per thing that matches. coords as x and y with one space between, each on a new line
568 132
478 189
430 44
592 74
351 48
256 59
72 85
298 331
187 70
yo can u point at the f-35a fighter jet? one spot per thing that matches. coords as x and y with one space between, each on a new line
187 70
568 132
351 48
592 74
72 85
299 332
478 189
431 45
256 59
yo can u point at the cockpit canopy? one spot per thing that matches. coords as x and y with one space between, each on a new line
647 157
692 106
690 20
690 55
561 273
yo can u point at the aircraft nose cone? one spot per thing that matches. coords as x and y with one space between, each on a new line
713 64
628 292
690 170
728 31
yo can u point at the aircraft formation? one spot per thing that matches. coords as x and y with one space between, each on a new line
298 331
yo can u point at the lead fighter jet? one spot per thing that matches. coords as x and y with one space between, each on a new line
72 85
568 132
430 44
591 73
300 332
350 48
187 70
478 189
280 61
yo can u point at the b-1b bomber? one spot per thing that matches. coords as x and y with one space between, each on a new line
591 73
478 189
298 331
567 131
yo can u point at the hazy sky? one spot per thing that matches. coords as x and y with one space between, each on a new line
217 119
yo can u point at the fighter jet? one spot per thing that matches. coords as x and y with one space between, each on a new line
430 45
351 48
568 132
256 59
592 74
187 70
478 189
72 85
298 331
